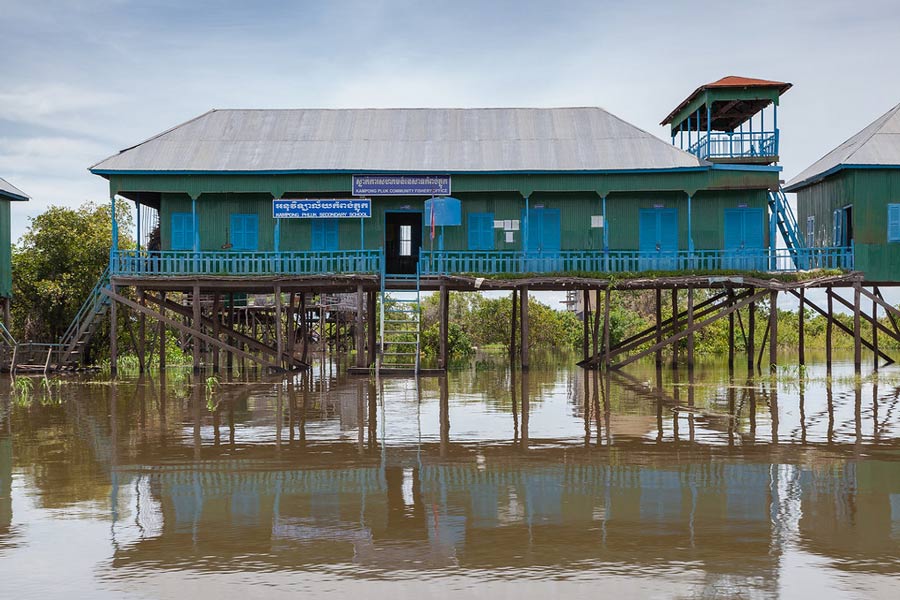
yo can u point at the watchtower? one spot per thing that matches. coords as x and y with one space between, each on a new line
732 120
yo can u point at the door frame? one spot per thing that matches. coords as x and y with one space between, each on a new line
415 251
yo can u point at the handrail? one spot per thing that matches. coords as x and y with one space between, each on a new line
6 336
168 263
89 303
724 144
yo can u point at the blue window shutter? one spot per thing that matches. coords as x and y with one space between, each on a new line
331 235
182 233
647 230
551 230
668 229
893 223
245 232
318 235
481 231
753 229
836 231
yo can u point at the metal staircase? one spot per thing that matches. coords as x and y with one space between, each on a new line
401 319
85 323
783 221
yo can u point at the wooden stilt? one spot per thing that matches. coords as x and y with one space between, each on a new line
773 330
658 326
595 323
195 326
875 333
371 309
829 330
161 334
217 329
512 329
751 332
674 327
801 328
113 337
523 337
443 327
304 328
606 310
229 357
360 340
279 326
585 324
731 333
142 334
857 346
690 327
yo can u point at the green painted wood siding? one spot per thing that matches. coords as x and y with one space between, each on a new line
5 250
576 209
869 191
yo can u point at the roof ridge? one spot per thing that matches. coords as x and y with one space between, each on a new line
883 118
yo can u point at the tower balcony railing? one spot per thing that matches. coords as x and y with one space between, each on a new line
736 144
133 263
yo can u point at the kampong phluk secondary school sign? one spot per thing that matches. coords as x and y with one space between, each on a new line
401 185
322 208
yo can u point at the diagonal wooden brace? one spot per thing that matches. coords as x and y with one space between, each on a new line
189 330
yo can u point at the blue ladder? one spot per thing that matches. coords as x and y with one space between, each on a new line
401 323
782 220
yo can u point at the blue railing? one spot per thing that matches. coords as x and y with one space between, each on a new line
134 263
722 144
633 261
169 263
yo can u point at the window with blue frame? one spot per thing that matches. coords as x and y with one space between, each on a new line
810 231
245 232
481 231
182 237
893 232
324 235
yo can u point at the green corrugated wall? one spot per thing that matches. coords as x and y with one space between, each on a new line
5 250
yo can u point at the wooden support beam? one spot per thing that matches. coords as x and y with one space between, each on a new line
360 341
857 332
279 325
831 320
877 297
773 330
690 327
697 326
216 329
751 332
234 336
512 329
161 334
443 327
658 357
731 333
875 333
186 328
371 309
523 337
606 312
585 324
829 329
674 326
195 327
229 357
113 338
762 347
801 329
874 322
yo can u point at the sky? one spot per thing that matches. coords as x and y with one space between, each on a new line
86 78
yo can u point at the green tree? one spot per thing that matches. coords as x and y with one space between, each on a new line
58 261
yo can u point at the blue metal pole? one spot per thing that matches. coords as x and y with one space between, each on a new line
775 125
114 245
605 228
362 233
690 227
708 127
525 227
277 236
195 225
137 208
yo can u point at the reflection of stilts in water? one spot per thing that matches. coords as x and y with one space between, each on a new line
197 399
515 408
586 410
373 414
595 375
360 418
751 393
525 409
857 412
445 415
829 400
802 408
732 412
691 404
279 415
292 410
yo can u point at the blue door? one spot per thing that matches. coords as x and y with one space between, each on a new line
744 239
325 235
658 243
544 240
245 232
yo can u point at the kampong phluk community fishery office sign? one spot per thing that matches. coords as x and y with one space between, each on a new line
322 208
401 185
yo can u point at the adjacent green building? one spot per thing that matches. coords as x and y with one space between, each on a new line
851 198
8 193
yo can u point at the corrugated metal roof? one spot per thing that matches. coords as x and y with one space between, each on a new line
729 81
876 145
401 140
11 192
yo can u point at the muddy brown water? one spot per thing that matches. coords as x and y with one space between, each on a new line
486 483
